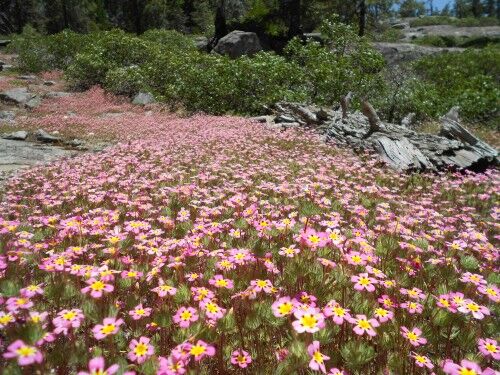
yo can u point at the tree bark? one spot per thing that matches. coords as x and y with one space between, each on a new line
362 17
295 19
476 8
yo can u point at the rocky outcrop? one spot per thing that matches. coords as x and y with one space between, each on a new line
400 147
21 97
238 43
397 53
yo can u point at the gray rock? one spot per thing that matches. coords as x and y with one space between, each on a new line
398 53
238 43
401 148
49 83
317 37
21 97
75 142
143 98
6 67
43 136
20 135
33 102
201 43
27 78
7 116
401 26
4 42
2 62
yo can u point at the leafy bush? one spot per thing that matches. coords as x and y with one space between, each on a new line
124 80
113 49
169 39
469 80
348 64
37 53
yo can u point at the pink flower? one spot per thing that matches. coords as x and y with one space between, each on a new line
220 282
185 316
318 359
173 365
97 367
413 293
139 312
262 285
110 326
422 360
16 303
25 354
489 348
466 367
477 311
336 312
383 315
67 319
364 281
97 287
200 350
309 320
336 371
163 290
491 291
32 290
412 307
140 350
212 310
363 325
413 336
241 358
283 307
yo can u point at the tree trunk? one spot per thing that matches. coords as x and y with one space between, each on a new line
65 14
188 9
295 10
491 8
137 17
476 8
220 21
362 17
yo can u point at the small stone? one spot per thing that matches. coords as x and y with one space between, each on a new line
143 98
49 83
27 77
43 136
16 136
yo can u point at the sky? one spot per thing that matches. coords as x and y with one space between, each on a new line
441 3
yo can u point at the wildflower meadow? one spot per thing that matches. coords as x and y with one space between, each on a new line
214 245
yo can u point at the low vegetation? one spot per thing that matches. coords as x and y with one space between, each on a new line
168 64
459 22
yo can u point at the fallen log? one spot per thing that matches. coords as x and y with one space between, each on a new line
399 146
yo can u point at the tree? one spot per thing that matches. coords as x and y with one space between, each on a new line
362 18
476 8
411 8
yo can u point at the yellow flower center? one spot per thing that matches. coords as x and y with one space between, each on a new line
339 311
197 350
318 357
364 324
70 315
285 308
466 371
141 349
97 285
25 351
186 315
412 336
107 329
491 348
309 321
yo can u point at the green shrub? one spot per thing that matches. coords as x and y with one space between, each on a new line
169 39
111 50
124 81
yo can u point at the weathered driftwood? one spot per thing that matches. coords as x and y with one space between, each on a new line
400 147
